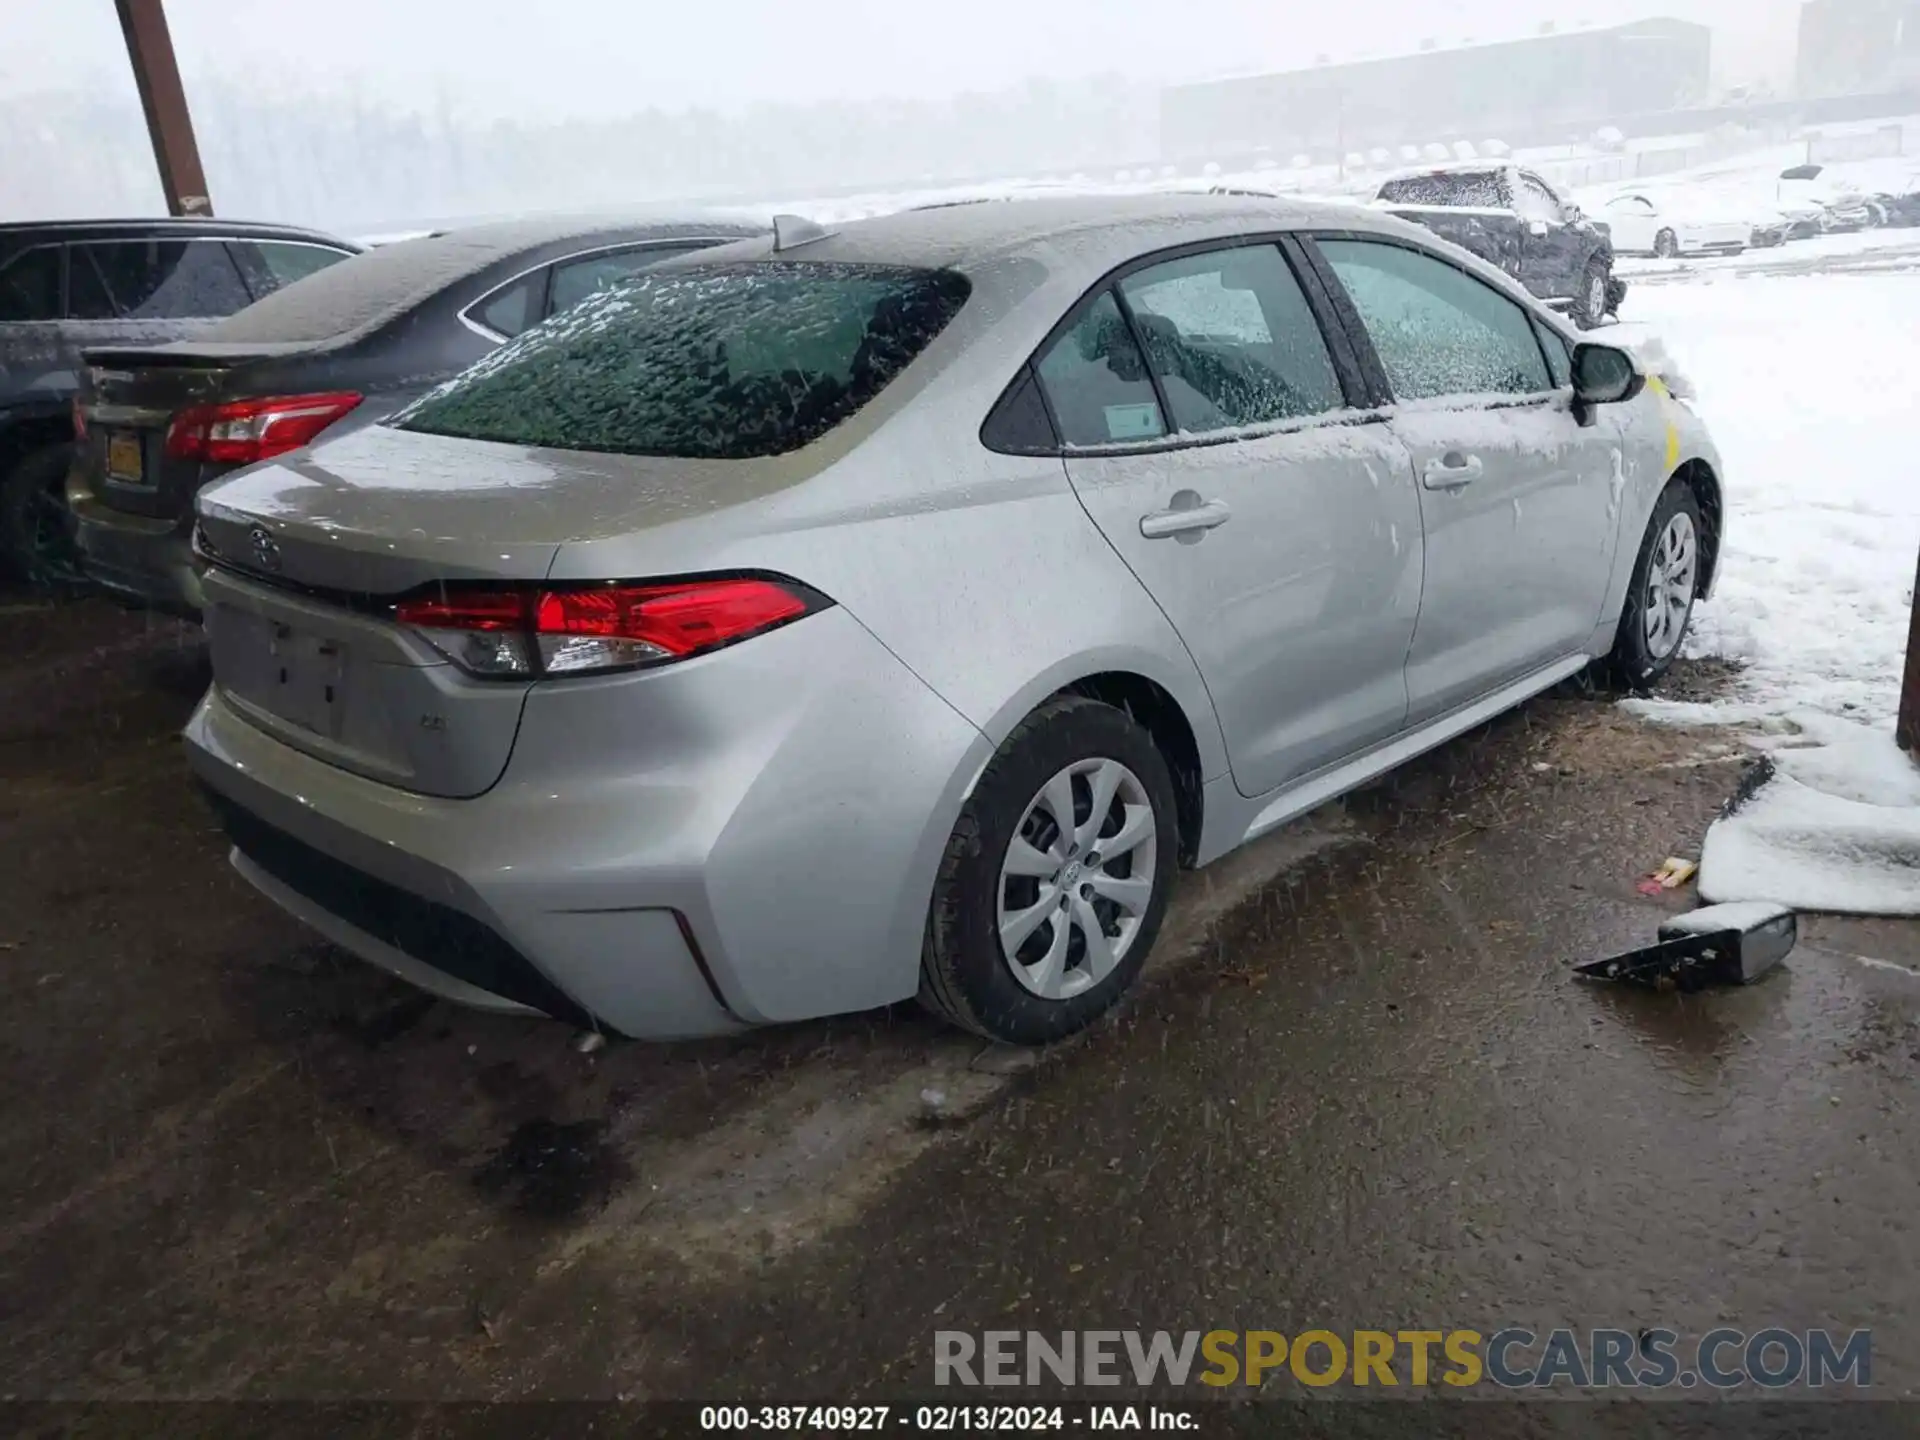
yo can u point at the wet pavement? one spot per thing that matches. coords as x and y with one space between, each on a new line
1363 1094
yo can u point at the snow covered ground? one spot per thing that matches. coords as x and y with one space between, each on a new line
1811 385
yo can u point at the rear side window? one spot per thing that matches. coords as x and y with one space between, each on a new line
153 280
270 264
514 308
1437 330
1097 382
1231 337
575 280
30 285
1478 189
727 363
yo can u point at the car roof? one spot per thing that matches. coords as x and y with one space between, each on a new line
349 301
166 226
1454 167
1086 233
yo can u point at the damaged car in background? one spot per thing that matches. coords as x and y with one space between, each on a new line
818 622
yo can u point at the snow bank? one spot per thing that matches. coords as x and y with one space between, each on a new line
1837 828
1809 386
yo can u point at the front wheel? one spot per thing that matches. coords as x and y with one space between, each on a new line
1660 596
1666 245
1589 306
1055 879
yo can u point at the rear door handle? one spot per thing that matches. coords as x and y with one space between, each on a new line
1452 470
1189 516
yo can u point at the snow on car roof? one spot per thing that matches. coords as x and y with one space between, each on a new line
1102 230
1452 167
348 301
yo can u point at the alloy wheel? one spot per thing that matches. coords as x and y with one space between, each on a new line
1077 878
1671 572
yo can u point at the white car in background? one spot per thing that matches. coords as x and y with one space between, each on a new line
1649 224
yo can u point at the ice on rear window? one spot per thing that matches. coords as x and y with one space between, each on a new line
723 363
1476 189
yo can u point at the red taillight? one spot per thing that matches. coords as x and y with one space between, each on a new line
79 421
242 432
597 628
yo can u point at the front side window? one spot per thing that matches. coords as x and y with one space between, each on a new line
1534 201
30 285
1096 381
726 363
153 280
1559 355
1437 330
1632 205
575 280
1232 339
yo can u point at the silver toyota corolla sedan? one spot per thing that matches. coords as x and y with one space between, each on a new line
834 618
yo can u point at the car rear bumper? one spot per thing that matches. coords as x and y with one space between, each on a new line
745 838
140 559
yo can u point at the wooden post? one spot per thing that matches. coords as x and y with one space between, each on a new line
150 48
1907 729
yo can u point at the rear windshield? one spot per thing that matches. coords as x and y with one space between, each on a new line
717 363
1478 189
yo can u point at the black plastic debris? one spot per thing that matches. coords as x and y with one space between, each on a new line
1718 945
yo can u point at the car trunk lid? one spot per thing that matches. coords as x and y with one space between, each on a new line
343 683
308 554
128 398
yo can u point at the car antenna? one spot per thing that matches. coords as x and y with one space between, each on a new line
792 231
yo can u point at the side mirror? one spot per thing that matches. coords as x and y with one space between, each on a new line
1603 375
1720 945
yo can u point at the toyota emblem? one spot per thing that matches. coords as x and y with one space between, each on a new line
266 549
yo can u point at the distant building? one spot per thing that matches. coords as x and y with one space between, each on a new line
1852 47
1469 91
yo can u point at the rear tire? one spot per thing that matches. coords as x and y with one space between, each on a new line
35 545
1589 306
1011 869
1661 593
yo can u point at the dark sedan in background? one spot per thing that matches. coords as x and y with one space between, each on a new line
69 285
340 349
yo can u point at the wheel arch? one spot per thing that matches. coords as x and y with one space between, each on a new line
1699 477
1166 698
1153 707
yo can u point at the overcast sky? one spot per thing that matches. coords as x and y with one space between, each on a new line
557 58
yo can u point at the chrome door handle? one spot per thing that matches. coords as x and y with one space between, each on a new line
1185 520
1452 470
